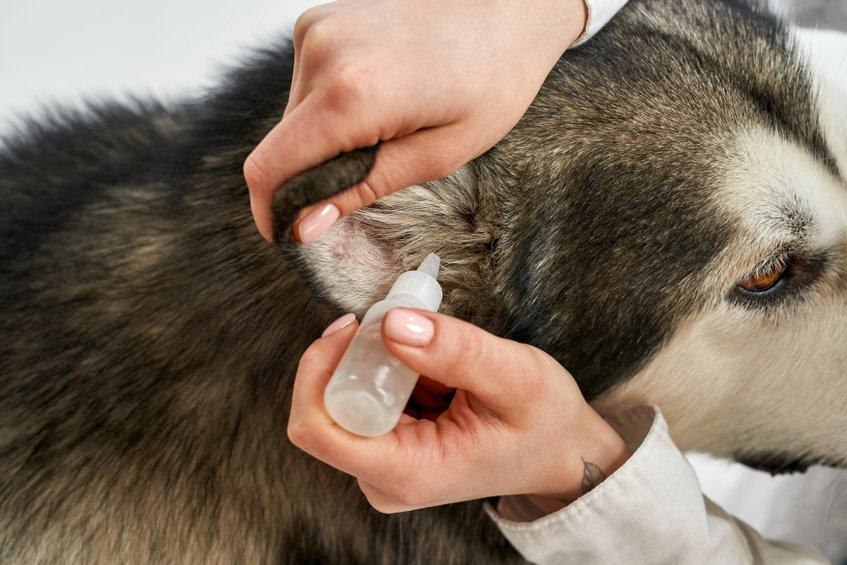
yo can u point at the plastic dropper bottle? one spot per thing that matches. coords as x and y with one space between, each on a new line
370 387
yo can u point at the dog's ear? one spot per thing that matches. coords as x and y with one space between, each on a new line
316 184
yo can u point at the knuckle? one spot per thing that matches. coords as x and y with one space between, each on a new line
348 88
319 38
443 165
470 346
383 507
298 433
389 498
408 494
311 357
380 502
368 192
461 350
302 26
256 172
534 373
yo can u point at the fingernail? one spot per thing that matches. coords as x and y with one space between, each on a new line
344 320
316 223
407 327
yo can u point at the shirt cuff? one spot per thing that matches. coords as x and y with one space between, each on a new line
599 13
650 510
640 510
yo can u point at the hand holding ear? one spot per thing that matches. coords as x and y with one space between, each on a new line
516 424
439 82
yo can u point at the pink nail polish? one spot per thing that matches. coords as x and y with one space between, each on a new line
344 320
407 327
317 222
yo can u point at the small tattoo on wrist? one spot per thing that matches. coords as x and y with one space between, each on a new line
592 476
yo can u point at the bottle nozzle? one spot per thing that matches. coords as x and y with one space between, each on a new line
421 283
430 265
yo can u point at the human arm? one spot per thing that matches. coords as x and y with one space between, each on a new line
438 82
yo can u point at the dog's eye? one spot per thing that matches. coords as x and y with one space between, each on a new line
785 276
766 278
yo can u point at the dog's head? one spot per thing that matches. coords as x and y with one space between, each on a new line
670 224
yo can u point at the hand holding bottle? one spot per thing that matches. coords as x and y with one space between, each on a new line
516 424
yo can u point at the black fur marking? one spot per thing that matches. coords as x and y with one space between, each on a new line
632 211
777 463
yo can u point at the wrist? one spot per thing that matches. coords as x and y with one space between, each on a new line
547 27
569 20
598 452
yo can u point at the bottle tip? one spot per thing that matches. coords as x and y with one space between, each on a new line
430 265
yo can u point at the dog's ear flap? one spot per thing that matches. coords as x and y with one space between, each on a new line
316 184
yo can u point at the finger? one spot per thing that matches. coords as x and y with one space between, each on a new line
499 372
294 97
312 52
381 501
316 366
308 419
305 138
312 429
415 495
401 161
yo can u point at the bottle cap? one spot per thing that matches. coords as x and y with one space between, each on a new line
421 283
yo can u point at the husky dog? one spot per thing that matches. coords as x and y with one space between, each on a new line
669 221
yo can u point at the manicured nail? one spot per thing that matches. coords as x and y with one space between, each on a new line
341 322
317 222
407 327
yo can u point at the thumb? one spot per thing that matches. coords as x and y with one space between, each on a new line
315 369
500 373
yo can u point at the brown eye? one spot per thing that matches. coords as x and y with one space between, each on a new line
779 278
763 279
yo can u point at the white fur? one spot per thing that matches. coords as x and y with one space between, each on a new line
363 271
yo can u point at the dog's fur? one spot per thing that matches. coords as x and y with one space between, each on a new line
150 336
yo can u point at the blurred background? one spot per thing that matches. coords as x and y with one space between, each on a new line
55 50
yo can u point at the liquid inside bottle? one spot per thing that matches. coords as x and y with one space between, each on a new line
370 387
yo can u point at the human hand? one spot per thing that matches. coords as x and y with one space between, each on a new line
516 424
438 81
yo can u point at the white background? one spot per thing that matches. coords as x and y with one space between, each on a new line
69 50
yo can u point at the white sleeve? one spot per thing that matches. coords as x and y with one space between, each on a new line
813 14
599 13
650 510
